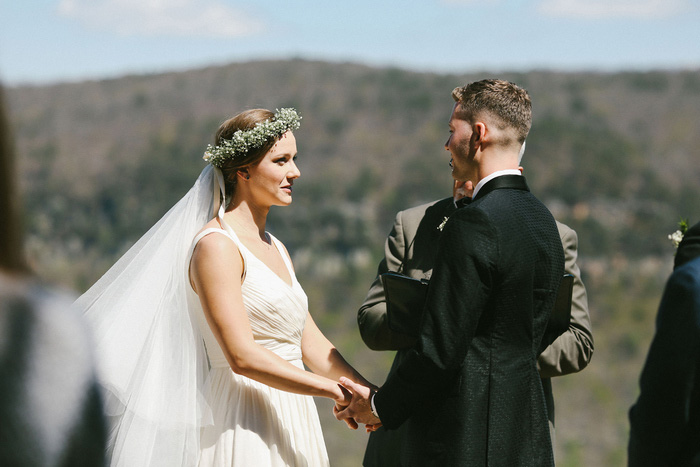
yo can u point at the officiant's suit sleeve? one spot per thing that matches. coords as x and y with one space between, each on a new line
572 351
459 288
372 315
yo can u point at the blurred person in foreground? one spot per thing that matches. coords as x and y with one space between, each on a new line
410 249
665 420
50 407
470 390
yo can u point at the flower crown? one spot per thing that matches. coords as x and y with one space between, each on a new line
243 141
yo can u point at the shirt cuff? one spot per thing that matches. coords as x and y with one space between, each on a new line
372 406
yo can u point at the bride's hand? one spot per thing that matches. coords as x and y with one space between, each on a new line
343 400
360 408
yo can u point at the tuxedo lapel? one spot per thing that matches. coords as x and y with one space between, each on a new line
516 182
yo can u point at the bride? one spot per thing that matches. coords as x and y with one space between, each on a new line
202 330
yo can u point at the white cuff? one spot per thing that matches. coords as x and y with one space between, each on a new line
371 403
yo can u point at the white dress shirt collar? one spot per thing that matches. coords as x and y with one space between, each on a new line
489 177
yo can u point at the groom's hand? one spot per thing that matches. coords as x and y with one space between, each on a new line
343 402
360 408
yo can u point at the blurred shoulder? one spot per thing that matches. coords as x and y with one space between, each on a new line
566 232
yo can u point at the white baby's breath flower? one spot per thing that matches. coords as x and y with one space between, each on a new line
243 141
676 237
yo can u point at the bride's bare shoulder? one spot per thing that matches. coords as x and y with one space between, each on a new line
215 242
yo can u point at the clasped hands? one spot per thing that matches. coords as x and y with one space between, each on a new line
357 407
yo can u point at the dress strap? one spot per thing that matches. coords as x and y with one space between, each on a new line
232 236
284 255
206 232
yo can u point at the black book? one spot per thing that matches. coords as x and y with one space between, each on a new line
405 297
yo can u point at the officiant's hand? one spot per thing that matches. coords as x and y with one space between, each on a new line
359 409
462 189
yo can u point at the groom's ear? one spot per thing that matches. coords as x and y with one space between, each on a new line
480 132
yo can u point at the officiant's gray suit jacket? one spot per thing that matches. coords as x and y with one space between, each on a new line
411 248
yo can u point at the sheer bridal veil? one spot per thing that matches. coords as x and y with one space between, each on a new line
151 359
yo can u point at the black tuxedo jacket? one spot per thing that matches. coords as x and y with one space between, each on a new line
470 391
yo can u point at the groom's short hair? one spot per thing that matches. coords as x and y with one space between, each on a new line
506 101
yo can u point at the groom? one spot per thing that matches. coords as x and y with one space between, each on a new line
470 391
410 248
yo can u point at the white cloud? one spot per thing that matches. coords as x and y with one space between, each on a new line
209 18
603 9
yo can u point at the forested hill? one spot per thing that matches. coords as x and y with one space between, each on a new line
614 155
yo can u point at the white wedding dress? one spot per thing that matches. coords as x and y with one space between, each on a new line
171 402
254 424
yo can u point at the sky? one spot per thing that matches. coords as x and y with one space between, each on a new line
49 41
